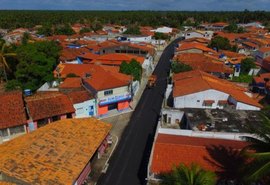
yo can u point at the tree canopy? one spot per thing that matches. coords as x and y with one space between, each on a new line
185 175
133 68
36 63
220 43
247 64
161 36
133 30
178 67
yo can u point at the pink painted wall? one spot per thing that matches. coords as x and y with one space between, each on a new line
123 105
64 116
84 174
102 110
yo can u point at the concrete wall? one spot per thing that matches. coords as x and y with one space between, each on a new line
12 132
147 39
116 91
196 100
82 109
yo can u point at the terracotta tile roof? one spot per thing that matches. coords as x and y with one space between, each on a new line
79 96
117 59
251 44
266 63
101 77
54 154
89 56
71 53
6 183
171 150
220 24
203 62
261 77
264 49
12 112
231 54
48 104
197 39
187 46
71 83
197 81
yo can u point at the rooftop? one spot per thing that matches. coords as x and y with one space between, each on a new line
54 154
187 46
48 104
217 155
197 81
12 109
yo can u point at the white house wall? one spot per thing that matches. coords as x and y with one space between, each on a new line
196 100
116 91
82 109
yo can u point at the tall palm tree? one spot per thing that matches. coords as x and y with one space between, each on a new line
258 152
184 175
3 62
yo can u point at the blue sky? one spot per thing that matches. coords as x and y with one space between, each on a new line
137 4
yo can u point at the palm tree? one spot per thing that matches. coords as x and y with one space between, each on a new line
184 175
258 152
3 62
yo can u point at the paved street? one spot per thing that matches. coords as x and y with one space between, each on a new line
128 164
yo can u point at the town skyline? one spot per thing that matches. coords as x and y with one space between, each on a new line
156 5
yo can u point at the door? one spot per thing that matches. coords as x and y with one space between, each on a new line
91 110
112 106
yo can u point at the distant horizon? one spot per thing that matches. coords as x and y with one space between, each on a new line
137 5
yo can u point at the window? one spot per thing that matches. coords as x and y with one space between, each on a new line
198 100
3 133
107 93
17 130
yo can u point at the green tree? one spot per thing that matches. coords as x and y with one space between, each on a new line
3 62
25 38
220 43
178 67
133 68
36 63
247 64
45 30
184 175
231 28
258 170
64 30
133 30
96 25
161 36
85 30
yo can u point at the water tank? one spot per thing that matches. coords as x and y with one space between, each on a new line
27 92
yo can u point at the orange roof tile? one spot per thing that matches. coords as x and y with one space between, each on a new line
203 62
101 77
250 44
79 96
197 81
70 83
264 49
117 59
171 150
12 112
72 54
48 104
187 46
54 154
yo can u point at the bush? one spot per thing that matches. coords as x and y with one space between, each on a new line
133 68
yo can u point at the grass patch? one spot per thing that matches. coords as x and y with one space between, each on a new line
243 78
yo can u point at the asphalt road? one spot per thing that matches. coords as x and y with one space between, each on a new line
128 165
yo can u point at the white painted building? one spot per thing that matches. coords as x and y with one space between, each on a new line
163 29
85 109
199 34
197 89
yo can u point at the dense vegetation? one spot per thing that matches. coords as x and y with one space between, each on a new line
178 67
133 68
11 19
36 61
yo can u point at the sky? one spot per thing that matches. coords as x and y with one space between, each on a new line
198 5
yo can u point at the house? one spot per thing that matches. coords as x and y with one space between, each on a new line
13 118
69 55
194 48
259 83
83 102
261 54
47 107
199 34
266 64
200 40
249 47
163 29
111 89
218 26
136 38
197 89
204 63
59 153
221 156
